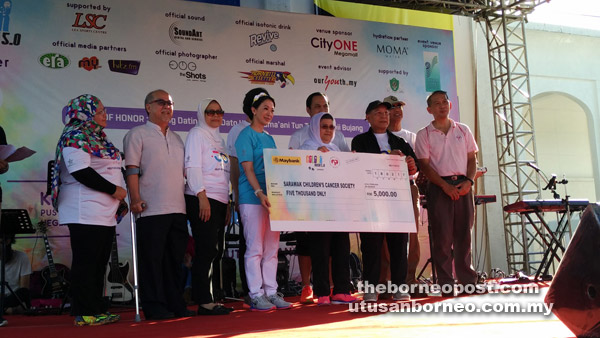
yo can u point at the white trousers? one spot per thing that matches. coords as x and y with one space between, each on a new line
262 246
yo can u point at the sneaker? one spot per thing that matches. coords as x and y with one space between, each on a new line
100 319
112 318
307 295
323 301
343 298
261 303
3 322
385 295
401 296
370 297
277 300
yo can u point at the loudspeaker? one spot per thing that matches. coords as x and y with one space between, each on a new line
575 290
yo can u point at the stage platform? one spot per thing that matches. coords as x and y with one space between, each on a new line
323 321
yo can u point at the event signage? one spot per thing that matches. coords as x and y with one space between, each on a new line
338 191
54 50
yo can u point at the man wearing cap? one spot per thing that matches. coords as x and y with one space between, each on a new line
446 152
315 103
378 140
395 126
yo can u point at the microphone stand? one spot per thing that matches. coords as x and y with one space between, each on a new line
555 242
559 230
550 183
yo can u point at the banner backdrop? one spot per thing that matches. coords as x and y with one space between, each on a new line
54 50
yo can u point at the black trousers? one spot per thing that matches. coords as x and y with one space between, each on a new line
451 223
11 300
370 246
209 239
161 243
90 246
337 246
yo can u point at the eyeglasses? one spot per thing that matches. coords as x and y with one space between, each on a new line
330 127
162 102
397 105
214 112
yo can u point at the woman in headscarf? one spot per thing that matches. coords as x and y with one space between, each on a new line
87 189
321 133
206 198
328 244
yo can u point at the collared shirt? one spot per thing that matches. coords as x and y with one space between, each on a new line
160 158
447 153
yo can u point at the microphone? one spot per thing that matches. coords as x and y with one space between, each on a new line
533 166
551 183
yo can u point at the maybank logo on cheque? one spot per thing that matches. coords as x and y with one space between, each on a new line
286 160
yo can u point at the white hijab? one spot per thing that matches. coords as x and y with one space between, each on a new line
212 133
314 135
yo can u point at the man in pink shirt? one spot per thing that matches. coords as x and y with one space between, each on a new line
446 153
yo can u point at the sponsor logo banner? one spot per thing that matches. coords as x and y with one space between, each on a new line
89 64
131 67
180 34
89 23
187 70
54 61
263 38
269 77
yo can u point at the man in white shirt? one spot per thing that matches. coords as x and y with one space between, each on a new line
155 178
395 126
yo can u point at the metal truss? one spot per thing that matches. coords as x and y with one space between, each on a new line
515 142
478 9
504 22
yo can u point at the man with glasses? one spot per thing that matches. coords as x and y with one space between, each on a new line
378 140
155 178
395 126
446 152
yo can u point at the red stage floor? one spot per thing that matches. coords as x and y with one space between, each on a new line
434 320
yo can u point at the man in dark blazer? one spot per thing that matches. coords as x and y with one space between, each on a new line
378 140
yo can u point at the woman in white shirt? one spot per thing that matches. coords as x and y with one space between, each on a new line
206 198
87 189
